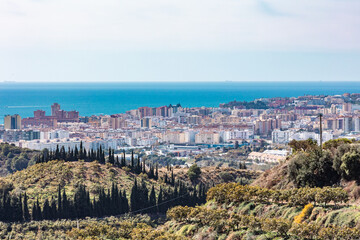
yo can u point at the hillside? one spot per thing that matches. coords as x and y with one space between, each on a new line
215 175
337 163
241 212
13 158
43 179
263 214
314 194
276 177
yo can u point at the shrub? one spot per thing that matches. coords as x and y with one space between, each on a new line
226 177
350 166
237 193
194 172
305 213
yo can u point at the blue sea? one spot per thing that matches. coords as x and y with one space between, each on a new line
110 98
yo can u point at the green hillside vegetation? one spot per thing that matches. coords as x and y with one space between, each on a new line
14 159
311 195
223 217
42 180
214 175
337 163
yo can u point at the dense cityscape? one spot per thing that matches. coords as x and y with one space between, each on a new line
264 127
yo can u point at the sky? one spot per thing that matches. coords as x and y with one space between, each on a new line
179 40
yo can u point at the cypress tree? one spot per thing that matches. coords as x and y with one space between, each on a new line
57 152
6 210
152 200
76 154
111 157
174 196
102 155
138 166
46 210
143 170
26 213
62 153
38 209
98 154
34 212
81 155
114 199
123 160
166 178
117 161
53 208
59 205
134 197
17 210
65 206
172 178
132 159
157 172
159 201
125 203
143 194
68 155
85 156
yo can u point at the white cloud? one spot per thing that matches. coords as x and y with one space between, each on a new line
181 24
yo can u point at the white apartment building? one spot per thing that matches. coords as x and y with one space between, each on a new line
54 134
281 137
306 135
237 134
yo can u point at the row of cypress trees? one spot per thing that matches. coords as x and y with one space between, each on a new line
71 155
108 203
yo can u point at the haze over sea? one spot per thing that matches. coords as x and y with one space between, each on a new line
110 98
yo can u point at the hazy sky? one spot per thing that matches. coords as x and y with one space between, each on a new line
179 40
